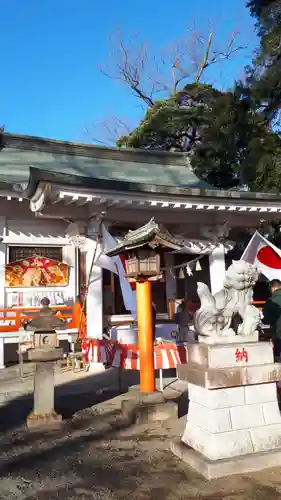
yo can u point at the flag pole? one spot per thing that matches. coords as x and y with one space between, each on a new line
250 242
83 308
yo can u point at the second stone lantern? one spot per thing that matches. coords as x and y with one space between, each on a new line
143 249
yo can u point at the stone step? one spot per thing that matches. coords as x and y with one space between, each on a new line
14 372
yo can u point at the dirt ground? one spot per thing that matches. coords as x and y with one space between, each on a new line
99 455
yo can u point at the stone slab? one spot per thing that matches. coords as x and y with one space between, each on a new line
267 437
142 413
224 355
12 373
238 339
247 416
261 393
156 397
214 469
44 421
271 412
222 445
243 438
44 354
220 398
216 378
210 420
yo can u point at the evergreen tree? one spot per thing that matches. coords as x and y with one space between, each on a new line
228 135
264 76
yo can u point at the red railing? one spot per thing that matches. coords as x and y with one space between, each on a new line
11 319
259 303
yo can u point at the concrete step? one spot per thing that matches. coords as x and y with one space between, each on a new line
13 372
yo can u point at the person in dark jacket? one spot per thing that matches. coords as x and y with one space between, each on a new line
184 320
272 315
154 321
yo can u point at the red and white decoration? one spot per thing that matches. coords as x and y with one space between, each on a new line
265 255
166 355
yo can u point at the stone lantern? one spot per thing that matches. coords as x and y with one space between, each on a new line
45 354
143 248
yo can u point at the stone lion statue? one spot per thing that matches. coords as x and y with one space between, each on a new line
233 304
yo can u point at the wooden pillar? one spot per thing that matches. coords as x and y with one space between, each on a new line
145 336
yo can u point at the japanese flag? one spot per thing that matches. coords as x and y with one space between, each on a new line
265 255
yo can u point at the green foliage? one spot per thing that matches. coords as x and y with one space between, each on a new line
264 76
174 123
232 137
264 89
225 139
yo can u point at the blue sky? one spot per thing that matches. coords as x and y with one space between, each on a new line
50 83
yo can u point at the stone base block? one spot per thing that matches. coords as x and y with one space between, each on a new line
143 410
44 421
238 339
230 355
156 397
219 468
223 445
216 366
41 355
216 378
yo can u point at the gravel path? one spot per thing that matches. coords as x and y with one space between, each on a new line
99 455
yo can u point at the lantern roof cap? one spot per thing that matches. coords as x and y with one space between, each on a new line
150 234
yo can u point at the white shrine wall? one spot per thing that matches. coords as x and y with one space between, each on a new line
21 227
35 232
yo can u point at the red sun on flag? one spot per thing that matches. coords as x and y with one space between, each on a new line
268 257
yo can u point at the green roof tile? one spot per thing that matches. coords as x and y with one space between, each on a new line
154 168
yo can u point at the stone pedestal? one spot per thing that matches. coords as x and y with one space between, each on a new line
150 407
233 411
44 414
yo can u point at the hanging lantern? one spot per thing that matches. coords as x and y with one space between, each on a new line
181 274
198 266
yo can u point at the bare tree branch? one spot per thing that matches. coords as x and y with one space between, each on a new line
106 132
150 76
186 60
202 54
214 57
130 63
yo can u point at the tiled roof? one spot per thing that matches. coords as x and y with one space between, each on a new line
93 162
149 232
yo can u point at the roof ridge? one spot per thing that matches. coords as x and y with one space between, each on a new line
33 143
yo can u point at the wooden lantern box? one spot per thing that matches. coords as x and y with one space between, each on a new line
144 247
143 264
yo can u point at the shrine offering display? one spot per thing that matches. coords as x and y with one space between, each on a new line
234 422
32 298
36 271
166 355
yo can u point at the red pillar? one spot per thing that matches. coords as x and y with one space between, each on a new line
145 336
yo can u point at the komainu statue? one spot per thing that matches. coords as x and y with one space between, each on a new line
229 312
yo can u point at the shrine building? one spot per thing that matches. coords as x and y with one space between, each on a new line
47 185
